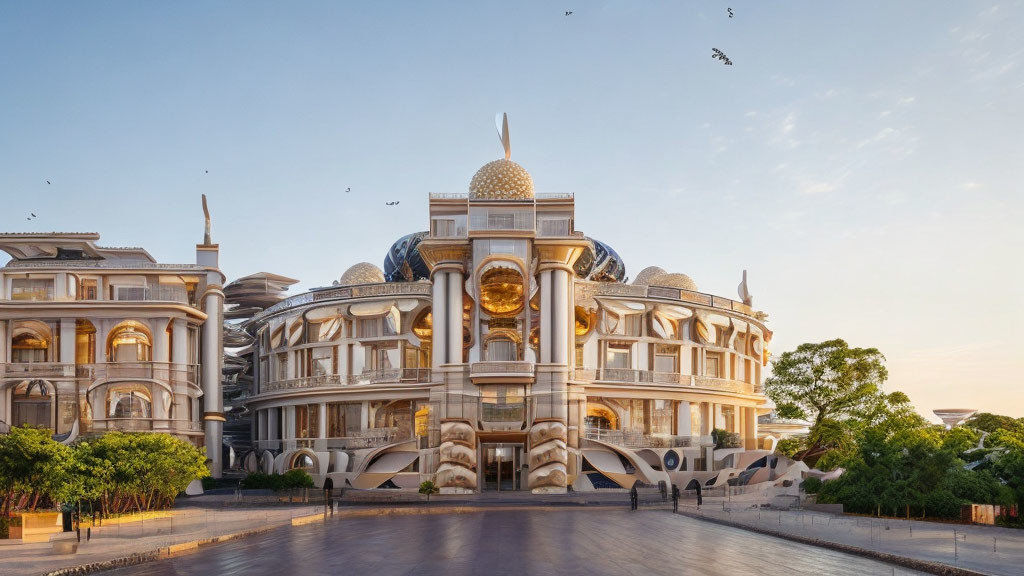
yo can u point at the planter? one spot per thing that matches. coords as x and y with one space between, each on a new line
14 532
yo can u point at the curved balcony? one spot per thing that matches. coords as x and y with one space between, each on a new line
389 375
37 370
629 376
145 425
161 371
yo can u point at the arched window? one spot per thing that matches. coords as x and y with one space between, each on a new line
129 402
302 461
30 342
129 342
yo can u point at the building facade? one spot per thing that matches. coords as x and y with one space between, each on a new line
96 339
502 349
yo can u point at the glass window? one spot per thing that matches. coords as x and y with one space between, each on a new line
343 419
712 367
129 403
666 359
323 360
503 403
661 417
618 356
502 350
87 289
633 324
31 289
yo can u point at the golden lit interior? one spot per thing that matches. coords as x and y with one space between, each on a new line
423 327
597 411
501 292
422 417
584 322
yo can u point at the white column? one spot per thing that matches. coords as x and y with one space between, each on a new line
179 338
322 421
545 317
364 416
67 340
161 351
439 314
736 420
261 425
454 318
4 342
683 422
212 358
559 316
289 423
273 424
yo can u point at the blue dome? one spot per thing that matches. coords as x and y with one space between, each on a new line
403 262
600 262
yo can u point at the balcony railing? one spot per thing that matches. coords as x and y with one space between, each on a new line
629 376
322 381
162 371
637 439
143 294
407 375
507 368
37 370
145 425
631 291
369 438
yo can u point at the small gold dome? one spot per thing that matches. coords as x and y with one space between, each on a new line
362 273
674 280
501 180
646 275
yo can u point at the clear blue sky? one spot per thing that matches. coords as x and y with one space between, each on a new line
862 160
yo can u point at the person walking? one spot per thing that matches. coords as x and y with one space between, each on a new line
675 498
634 498
700 499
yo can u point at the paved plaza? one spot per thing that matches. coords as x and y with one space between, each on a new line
558 541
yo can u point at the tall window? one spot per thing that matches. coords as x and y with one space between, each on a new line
129 403
633 324
343 419
712 366
618 356
88 289
307 421
443 228
502 350
661 417
29 347
666 359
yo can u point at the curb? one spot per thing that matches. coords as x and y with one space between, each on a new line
927 566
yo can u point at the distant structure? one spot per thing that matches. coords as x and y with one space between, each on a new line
953 417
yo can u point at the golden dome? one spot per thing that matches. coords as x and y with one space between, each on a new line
674 280
362 273
501 180
646 275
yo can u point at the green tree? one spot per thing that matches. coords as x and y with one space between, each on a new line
33 468
839 390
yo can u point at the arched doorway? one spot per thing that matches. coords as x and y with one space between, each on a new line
33 404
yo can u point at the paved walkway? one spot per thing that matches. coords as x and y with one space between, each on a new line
987 549
115 541
507 541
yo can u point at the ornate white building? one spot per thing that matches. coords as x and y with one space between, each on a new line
503 349
95 339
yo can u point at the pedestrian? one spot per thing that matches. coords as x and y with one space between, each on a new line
634 498
675 498
700 499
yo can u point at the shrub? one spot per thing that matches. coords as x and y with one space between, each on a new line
428 487
296 479
812 485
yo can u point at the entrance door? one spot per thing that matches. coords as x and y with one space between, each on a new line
502 464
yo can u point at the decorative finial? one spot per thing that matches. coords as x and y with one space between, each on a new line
745 295
206 211
501 123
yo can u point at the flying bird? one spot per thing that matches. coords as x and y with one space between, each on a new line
395 203
207 171
47 181
347 190
568 13
730 12
33 214
716 53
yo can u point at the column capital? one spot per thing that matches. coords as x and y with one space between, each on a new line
448 254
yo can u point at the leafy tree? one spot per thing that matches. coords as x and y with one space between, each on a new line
839 389
33 468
